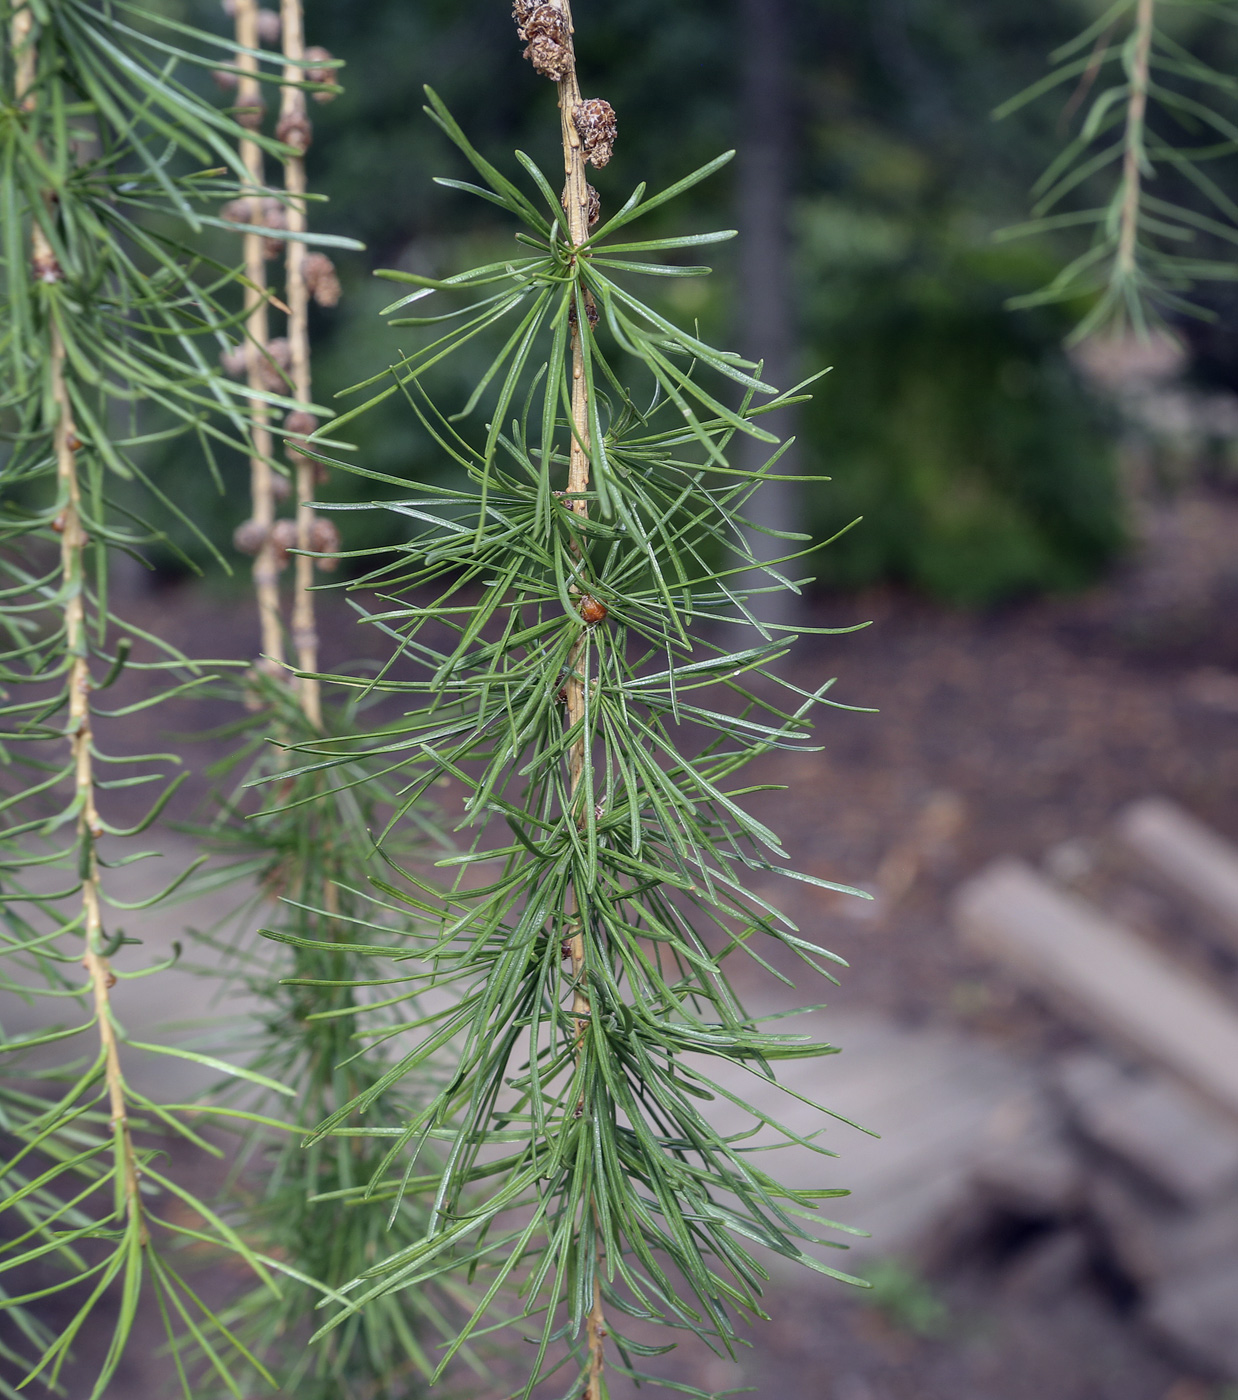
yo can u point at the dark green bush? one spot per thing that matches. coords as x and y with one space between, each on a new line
954 426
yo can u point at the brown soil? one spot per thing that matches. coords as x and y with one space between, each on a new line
1004 734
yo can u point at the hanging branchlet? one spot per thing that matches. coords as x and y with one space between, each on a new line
1147 171
577 200
321 280
319 68
303 851
80 732
579 959
102 314
259 367
295 130
302 855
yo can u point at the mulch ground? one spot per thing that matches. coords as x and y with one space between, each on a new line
1021 732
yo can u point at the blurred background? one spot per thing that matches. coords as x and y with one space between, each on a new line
870 182
1046 556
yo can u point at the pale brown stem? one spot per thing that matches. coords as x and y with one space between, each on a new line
1136 112
304 622
597 1335
81 739
262 493
576 206
24 55
576 203
73 541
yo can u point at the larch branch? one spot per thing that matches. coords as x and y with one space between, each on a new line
576 208
1134 158
295 130
79 731
262 487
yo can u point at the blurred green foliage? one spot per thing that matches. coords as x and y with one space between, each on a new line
956 430
905 1299
952 424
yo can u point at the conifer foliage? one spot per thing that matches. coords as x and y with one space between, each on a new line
578 658
511 1123
110 166
1147 169
294 849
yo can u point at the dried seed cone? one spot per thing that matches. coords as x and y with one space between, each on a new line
278 357
548 48
238 211
249 537
234 362
325 539
265 212
250 117
296 130
522 12
275 364
283 539
591 312
595 205
595 121
273 215
320 55
321 280
299 425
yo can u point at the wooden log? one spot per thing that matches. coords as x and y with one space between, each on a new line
1102 976
1156 1126
1196 1315
1190 856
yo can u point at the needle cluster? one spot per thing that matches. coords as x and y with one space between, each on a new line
111 166
559 626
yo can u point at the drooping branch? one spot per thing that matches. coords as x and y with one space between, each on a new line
46 269
576 206
630 848
1140 267
90 340
1134 159
262 481
73 542
295 130
587 132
